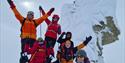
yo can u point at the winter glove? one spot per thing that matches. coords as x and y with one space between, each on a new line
87 40
41 10
60 39
12 5
63 33
50 11
48 60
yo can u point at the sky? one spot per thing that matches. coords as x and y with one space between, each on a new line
9 29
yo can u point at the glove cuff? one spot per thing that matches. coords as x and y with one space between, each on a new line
12 5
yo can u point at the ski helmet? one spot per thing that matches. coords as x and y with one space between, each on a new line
30 12
40 39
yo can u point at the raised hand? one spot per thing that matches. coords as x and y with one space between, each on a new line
50 11
41 10
87 40
12 5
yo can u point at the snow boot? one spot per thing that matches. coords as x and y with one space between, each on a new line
23 58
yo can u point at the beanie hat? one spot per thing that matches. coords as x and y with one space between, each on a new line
31 12
56 16
40 39
81 53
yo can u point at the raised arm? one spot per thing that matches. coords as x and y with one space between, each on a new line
83 44
60 39
59 30
15 11
43 13
44 17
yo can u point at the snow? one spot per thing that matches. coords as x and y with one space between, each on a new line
78 21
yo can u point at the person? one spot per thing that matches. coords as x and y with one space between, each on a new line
61 40
38 51
68 37
28 27
53 30
81 57
66 50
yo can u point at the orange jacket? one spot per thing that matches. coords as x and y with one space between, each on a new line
28 29
63 60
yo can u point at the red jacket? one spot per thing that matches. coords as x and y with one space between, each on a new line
38 52
53 29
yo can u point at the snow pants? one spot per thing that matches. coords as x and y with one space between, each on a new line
24 58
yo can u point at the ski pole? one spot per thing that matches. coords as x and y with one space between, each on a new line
40 26
33 56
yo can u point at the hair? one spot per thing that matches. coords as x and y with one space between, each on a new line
69 34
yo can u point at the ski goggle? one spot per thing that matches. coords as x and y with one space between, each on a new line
55 18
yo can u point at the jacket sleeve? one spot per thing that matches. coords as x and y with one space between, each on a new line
18 15
59 29
41 19
43 13
60 39
79 47
47 21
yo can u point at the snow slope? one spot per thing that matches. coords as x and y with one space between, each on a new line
79 17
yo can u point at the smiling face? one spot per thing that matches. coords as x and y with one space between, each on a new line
68 44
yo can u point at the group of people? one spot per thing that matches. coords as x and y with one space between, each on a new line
42 50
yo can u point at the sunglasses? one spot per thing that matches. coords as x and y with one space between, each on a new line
80 56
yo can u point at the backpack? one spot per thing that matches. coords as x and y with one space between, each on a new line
24 22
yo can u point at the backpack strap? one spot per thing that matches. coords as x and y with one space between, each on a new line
23 24
35 23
